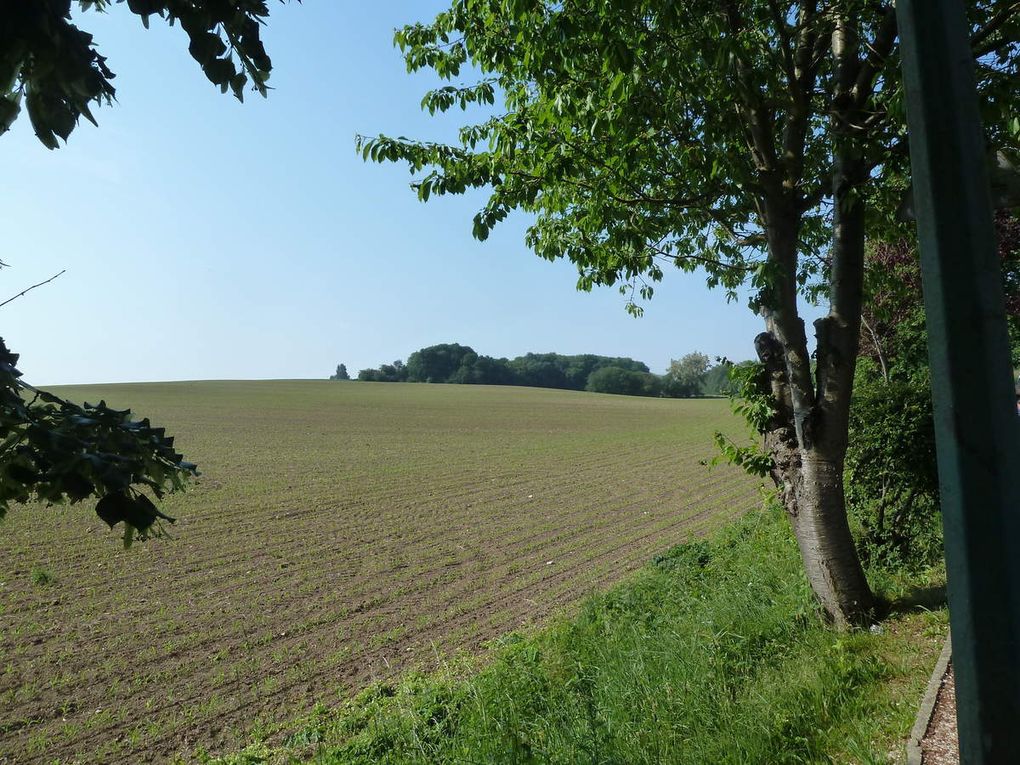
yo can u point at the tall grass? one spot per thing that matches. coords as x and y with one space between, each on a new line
714 653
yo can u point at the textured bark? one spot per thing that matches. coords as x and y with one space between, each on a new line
807 436
810 484
780 437
826 545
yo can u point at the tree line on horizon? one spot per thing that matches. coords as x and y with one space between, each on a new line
692 375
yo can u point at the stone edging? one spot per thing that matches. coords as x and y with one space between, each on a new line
931 695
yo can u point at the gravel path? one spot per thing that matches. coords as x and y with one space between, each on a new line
940 745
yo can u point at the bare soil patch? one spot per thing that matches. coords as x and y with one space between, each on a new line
341 533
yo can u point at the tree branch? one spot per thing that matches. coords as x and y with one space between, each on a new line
802 82
878 52
760 120
992 26
29 289
785 42
705 261
878 347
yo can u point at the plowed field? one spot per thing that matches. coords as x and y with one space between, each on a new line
340 532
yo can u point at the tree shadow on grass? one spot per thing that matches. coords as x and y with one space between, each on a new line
918 599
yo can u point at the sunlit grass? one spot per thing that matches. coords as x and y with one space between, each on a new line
714 653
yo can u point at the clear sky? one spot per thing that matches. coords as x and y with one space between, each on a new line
205 239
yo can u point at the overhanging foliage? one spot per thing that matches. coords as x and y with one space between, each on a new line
58 452
51 66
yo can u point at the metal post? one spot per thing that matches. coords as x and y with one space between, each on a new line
976 424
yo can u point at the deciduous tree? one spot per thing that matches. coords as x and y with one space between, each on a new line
438 363
686 376
717 379
623 381
754 139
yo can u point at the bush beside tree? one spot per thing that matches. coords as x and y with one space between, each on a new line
891 476
395 372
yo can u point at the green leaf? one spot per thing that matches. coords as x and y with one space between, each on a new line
114 508
219 71
205 47
9 110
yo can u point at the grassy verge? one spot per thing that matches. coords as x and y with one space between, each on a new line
713 653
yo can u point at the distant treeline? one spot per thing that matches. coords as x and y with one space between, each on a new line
692 375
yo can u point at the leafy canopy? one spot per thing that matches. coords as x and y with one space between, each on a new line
52 67
645 134
620 130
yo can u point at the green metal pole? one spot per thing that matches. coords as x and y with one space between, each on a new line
976 424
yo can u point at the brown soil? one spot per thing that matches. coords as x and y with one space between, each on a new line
299 575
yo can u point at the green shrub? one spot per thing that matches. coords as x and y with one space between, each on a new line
891 475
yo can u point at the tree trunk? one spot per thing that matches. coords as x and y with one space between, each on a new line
810 484
826 545
807 438
809 430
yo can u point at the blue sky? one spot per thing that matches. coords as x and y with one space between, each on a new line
208 239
